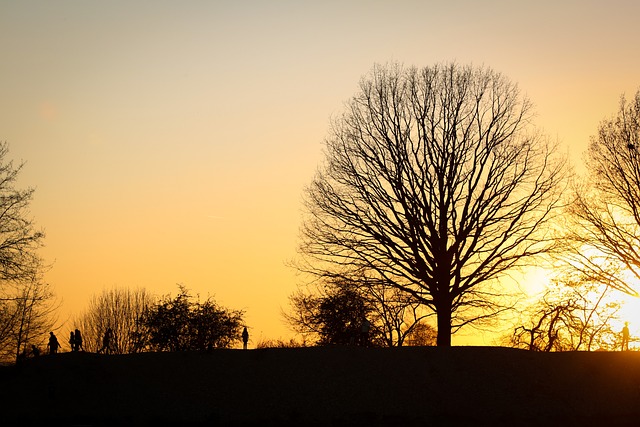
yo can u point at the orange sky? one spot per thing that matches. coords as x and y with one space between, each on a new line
169 142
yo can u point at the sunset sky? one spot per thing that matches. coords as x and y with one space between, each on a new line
170 141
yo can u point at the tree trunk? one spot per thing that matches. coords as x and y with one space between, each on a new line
444 325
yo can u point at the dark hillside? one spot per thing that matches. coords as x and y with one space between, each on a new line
326 386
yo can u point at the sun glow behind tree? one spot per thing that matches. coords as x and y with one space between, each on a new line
629 311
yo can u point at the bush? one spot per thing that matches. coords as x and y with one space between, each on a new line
179 324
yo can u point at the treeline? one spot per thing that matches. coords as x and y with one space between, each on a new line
27 306
140 322
436 186
123 320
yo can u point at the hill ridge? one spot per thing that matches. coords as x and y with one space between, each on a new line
326 386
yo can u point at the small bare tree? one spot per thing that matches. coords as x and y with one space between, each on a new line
121 310
393 313
422 334
27 314
435 181
332 315
572 315
334 312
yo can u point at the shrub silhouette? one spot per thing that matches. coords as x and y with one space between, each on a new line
179 324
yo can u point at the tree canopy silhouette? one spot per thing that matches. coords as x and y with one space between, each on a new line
573 315
607 207
434 182
333 317
178 324
334 312
19 240
122 311
26 302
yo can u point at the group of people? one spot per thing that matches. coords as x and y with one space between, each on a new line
75 341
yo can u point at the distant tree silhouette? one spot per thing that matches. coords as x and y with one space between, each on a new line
606 210
333 317
120 309
334 312
179 323
572 315
435 181
19 240
280 343
393 313
422 334
24 298
26 318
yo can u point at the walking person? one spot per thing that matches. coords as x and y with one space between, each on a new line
78 340
72 341
106 342
53 343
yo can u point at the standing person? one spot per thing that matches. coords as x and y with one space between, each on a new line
53 343
625 336
106 342
78 340
72 341
364 333
245 338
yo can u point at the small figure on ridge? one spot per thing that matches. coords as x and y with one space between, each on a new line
78 340
53 343
106 342
625 337
245 338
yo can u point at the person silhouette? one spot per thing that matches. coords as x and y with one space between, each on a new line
53 343
78 340
625 337
364 333
35 351
72 341
106 342
245 338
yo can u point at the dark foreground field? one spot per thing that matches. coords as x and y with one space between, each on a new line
340 386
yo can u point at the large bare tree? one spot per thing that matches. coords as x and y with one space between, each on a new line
607 208
19 240
435 181
25 307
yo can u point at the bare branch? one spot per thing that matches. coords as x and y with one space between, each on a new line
606 210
